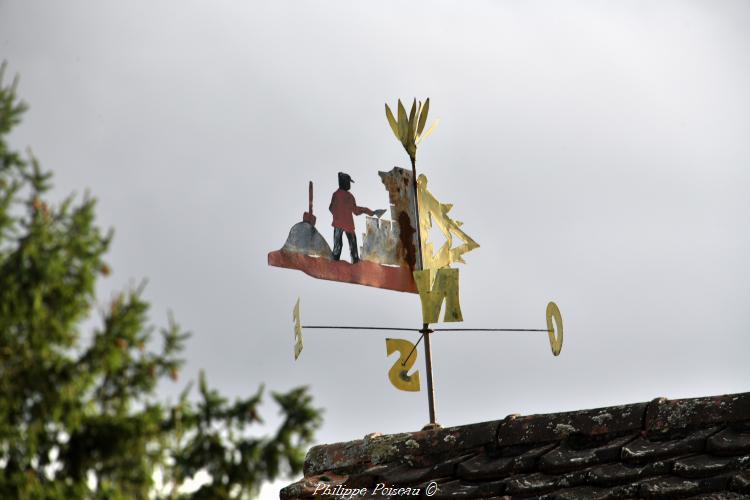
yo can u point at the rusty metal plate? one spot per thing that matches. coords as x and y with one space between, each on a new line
366 273
398 182
380 241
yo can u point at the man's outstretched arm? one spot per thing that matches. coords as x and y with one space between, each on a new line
363 210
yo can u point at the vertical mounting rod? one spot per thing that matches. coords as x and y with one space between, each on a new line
428 366
425 330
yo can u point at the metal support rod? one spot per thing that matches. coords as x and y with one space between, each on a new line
361 328
428 367
425 329
403 363
388 328
310 197
489 330
419 262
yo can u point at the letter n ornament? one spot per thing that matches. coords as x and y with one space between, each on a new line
436 286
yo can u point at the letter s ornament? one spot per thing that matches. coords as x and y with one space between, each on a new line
399 372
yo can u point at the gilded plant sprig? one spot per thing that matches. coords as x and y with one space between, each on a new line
409 129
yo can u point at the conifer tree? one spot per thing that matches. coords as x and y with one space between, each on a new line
79 414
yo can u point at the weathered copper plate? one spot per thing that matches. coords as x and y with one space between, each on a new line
366 273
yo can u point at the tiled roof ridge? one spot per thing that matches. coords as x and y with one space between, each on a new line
660 440
660 415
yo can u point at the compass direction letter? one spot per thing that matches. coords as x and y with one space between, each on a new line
399 372
297 331
555 341
435 287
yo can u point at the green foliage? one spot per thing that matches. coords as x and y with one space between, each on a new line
79 416
408 129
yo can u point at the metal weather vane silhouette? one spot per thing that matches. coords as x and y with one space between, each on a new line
396 255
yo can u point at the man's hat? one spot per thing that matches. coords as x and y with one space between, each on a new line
348 177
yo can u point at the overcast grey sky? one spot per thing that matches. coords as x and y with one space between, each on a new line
597 151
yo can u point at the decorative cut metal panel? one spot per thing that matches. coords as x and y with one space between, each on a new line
431 211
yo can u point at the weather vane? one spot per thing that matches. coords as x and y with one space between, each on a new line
396 254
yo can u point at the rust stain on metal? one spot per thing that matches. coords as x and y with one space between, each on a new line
398 182
407 248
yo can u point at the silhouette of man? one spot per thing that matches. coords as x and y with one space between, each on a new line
343 207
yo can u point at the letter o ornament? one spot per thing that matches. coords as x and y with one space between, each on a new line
555 341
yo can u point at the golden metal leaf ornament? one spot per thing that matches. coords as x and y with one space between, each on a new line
431 211
297 331
423 116
435 287
419 115
399 372
412 119
403 122
408 127
429 131
392 122
555 341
